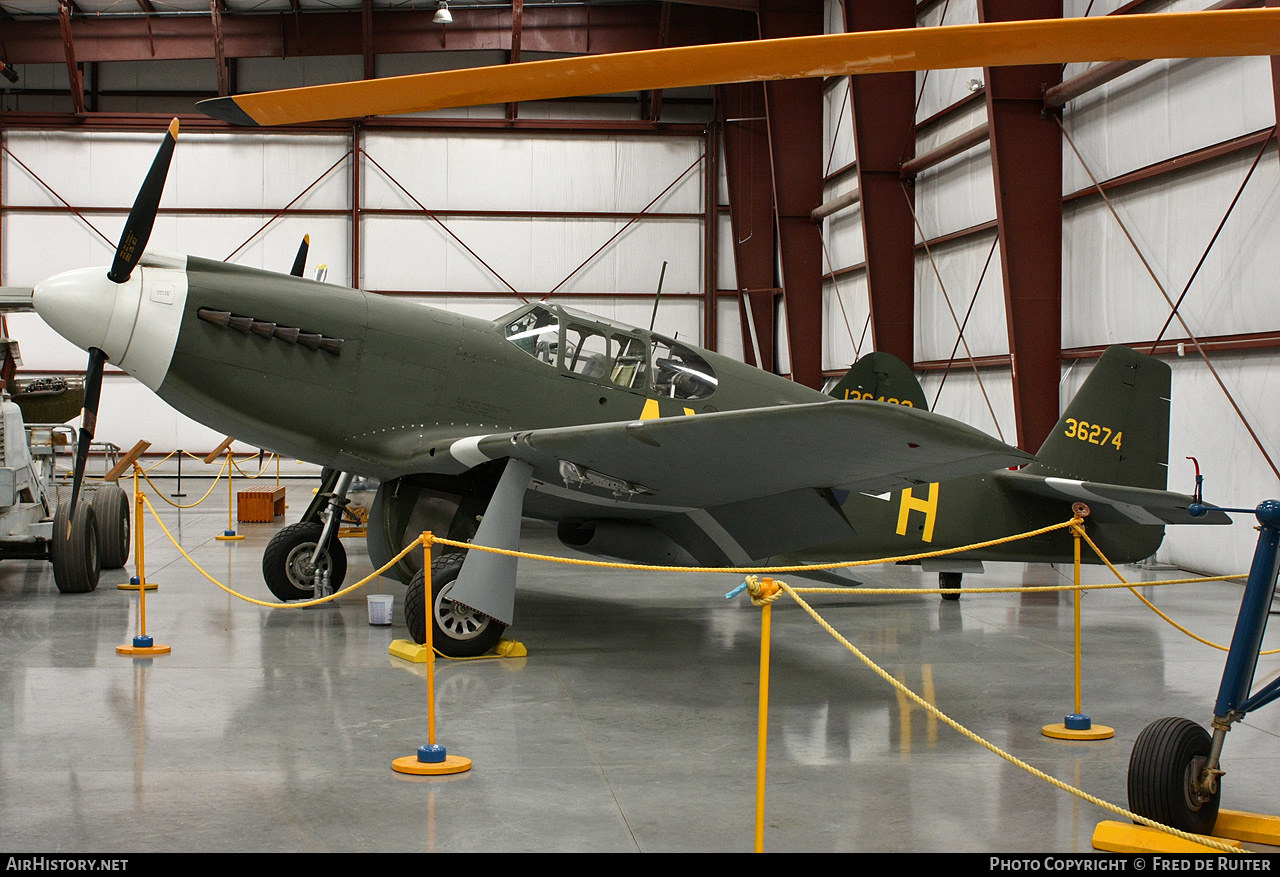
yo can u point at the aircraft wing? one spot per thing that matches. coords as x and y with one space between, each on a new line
722 457
1117 502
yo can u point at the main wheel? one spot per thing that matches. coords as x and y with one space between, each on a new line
950 581
286 564
76 562
1167 756
111 507
460 631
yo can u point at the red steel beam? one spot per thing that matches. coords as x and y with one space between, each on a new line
69 55
794 108
577 29
884 137
748 177
219 52
1026 162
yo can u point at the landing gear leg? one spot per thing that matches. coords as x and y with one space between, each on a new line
333 516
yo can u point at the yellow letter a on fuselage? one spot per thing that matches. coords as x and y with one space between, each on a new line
911 504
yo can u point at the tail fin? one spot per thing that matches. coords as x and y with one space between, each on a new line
1116 429
881 377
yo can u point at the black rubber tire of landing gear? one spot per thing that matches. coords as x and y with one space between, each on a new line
76 562
1162 771
284 563
459 632
111 507
950 581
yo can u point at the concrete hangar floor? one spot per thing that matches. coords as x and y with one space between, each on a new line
630 726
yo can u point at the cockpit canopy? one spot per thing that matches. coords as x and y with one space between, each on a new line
595 349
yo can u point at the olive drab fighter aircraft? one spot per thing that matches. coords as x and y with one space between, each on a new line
636 445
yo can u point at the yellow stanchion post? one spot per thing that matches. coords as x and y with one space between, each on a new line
1077 726
767 589
431 759
143 645
138 582
229 535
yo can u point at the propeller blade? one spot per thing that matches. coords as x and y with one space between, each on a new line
137 228
88 420
1222 33
300 260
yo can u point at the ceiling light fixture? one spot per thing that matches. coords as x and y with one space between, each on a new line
443 15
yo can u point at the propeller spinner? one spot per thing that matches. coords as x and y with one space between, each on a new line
133 240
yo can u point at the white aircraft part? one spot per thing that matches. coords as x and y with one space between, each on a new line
1077 491
467 451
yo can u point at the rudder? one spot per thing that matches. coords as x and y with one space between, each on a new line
1116 429
881 377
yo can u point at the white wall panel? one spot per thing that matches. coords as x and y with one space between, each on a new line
1164 109
843 235
1108 294
837 126
487 172
960 265
726 269
845 331
962 398
955 195
729 329
104 169
939 89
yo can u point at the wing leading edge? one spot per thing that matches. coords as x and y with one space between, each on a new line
730 456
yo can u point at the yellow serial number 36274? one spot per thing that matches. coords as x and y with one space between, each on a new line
1093 433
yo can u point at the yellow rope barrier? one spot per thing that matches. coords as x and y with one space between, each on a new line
261 469
991 747
160 493
301 604
803 567
1152 606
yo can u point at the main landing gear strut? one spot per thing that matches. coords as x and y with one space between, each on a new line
1174 772
305 561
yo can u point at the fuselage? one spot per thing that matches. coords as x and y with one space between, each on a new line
383 387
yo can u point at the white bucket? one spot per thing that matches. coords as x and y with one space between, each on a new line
380 608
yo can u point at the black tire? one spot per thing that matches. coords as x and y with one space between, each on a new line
76 562
459 632
287 556
111 507
1162 770
950 581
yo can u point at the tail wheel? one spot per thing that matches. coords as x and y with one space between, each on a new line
74 552
111 507
286 564
950 581
459 631
1167 757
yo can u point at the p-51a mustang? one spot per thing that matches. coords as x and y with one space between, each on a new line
636 445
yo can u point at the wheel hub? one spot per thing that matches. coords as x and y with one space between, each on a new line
299 568
459 621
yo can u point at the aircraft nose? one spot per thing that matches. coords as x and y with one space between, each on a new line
89 310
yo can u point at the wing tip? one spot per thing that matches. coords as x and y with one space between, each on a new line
227 110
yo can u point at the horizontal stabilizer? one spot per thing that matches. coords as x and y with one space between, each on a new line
1116 502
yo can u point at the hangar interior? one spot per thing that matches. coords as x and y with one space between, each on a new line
996 228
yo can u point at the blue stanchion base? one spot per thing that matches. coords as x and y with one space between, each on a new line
143 642
1077 722
431 753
